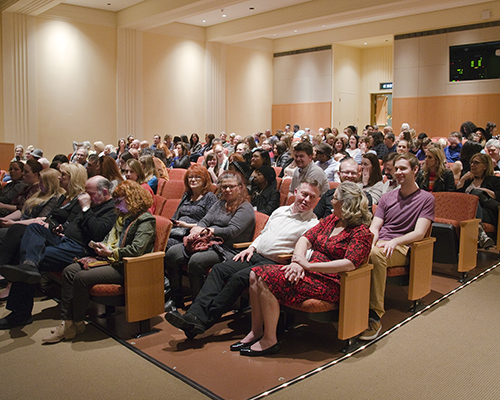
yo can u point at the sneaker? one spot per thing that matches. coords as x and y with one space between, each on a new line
374 328
484 240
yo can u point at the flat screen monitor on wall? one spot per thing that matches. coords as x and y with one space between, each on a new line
475 61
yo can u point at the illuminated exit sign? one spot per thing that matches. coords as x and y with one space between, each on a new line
386 86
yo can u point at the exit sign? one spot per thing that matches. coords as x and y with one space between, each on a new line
386 86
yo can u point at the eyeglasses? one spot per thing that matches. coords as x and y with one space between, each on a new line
119 200
194 178
353 173
226 187
475 162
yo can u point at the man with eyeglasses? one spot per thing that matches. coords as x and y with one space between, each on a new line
43 249
348 171
226 281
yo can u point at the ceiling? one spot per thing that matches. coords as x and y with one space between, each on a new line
230 21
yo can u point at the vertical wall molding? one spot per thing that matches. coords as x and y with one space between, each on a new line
19 77
129 84
215 102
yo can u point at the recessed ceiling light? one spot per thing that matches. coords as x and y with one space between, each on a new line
295 30
323 26
204 20
224 15
366 44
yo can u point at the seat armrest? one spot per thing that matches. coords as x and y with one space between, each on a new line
144 286
354 301
241 245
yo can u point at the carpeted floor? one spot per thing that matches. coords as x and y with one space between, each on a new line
448 352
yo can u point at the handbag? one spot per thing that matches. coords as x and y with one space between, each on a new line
203 241
90 262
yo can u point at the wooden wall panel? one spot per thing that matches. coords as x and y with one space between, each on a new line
488 109
6 154
312 115
404 110
441 115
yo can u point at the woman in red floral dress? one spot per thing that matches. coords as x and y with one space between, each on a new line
341 242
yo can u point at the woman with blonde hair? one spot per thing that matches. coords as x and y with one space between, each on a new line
132 235
41 203
150 173
340 242
434 176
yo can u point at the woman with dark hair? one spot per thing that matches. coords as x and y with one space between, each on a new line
434 176
340 242
194 141
259 158
232 218
181 156
31 175
339 147
195 203
211 164
281 154
250 142
121 148
185 140
353 150
132 235
109 169
15 185
371 176
482 182
377 145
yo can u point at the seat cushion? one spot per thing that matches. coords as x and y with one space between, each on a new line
315 306
398 271
106 290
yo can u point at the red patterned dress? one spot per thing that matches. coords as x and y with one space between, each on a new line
353 243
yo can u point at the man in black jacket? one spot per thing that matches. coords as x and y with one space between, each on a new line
44 250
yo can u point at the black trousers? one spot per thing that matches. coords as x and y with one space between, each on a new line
225 283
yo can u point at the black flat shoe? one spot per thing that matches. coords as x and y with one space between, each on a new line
21 273
247 351
239 345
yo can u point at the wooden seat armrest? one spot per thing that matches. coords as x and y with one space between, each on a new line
469 222
424 242
467 258
354 301
144 286
285 257
421 268
363 269
242 245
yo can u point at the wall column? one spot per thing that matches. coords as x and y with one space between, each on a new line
129 84
19 78
215 108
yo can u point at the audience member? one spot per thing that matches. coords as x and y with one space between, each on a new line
452 152
402 217
434 177
323 158
371 176
264 196
306 169
227 280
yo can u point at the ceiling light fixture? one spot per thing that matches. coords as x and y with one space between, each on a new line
204 20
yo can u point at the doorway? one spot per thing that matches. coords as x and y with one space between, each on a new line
381 109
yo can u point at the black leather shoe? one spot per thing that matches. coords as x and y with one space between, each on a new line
13 319
21 273
189 323
247 351
239 345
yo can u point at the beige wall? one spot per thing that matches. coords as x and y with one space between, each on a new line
76 84
423 94
174 85
249 90
376 68
346 102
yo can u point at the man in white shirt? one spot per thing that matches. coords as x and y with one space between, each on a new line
227 280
